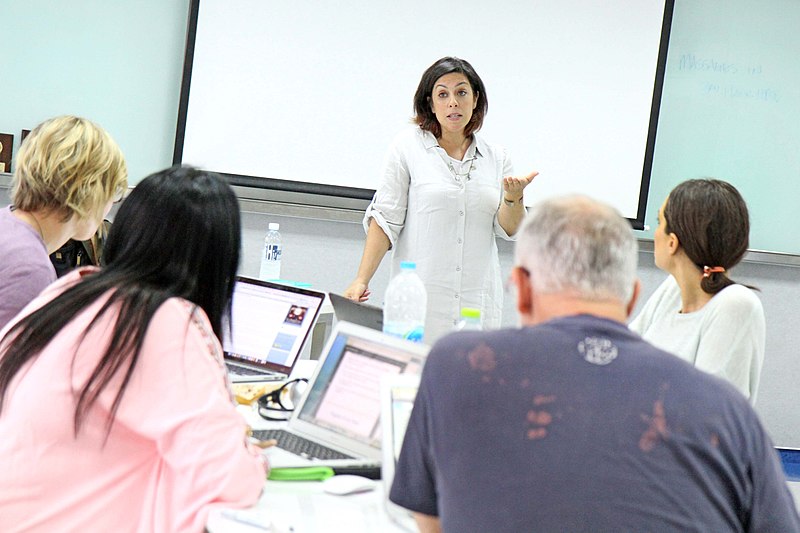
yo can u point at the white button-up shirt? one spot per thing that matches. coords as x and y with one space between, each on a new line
442 214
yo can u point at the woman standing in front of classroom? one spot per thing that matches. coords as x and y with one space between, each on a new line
444 196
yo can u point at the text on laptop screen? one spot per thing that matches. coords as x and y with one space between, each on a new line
268 324
346 393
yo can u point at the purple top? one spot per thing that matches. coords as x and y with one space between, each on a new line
25 267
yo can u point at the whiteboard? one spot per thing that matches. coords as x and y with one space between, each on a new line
307 96
731 110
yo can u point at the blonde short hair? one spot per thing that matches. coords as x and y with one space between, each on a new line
68 165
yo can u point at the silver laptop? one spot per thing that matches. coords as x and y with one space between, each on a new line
356 312
397 400
270 323
337 423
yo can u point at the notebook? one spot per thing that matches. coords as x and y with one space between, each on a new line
270 323
397 399
337 422
356 312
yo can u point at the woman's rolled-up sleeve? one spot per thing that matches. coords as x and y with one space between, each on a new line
390 203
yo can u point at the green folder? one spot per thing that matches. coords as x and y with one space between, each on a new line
305 473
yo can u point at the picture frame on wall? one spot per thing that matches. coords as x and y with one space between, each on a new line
6 148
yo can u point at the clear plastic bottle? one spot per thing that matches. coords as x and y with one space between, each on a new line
470 319
271 255
405 304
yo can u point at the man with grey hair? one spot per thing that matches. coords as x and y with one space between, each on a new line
574 423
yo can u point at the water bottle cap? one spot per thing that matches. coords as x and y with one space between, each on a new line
470 312
408 265
274 226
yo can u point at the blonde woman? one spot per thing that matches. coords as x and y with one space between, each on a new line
69 171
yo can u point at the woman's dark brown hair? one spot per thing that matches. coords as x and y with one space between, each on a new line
424 115
712 224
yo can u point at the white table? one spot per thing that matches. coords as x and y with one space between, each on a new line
794 488
302 507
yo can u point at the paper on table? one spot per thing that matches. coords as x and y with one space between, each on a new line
241 521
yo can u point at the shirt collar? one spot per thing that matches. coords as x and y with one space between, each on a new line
474 150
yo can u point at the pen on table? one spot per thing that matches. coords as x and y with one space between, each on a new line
245 518
262 443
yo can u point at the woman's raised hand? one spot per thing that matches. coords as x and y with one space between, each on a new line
513 186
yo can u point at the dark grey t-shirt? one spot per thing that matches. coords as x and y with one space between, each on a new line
580 425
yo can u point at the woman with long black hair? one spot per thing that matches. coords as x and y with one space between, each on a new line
115 409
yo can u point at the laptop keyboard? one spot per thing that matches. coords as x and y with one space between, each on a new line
244 371
298 445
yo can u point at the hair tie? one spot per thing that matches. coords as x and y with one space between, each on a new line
707 270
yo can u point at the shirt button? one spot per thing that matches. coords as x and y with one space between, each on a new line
459 240
456 296
458 269
461 213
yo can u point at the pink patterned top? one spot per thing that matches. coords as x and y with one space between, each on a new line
176 449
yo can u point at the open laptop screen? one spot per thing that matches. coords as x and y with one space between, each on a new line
790 460
345 396
269 323
356 312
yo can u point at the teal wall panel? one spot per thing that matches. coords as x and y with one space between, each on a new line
118 63
731 110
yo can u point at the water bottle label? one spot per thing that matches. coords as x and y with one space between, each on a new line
272 252
416 334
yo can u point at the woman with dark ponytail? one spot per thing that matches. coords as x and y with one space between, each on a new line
699 313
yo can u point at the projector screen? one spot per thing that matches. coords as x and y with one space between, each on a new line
306 97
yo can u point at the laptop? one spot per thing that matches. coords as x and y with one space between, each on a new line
270 323
356 312
397 399
790 461
337 422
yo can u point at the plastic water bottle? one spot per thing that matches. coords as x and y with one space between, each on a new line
470 319
405 304
271 255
